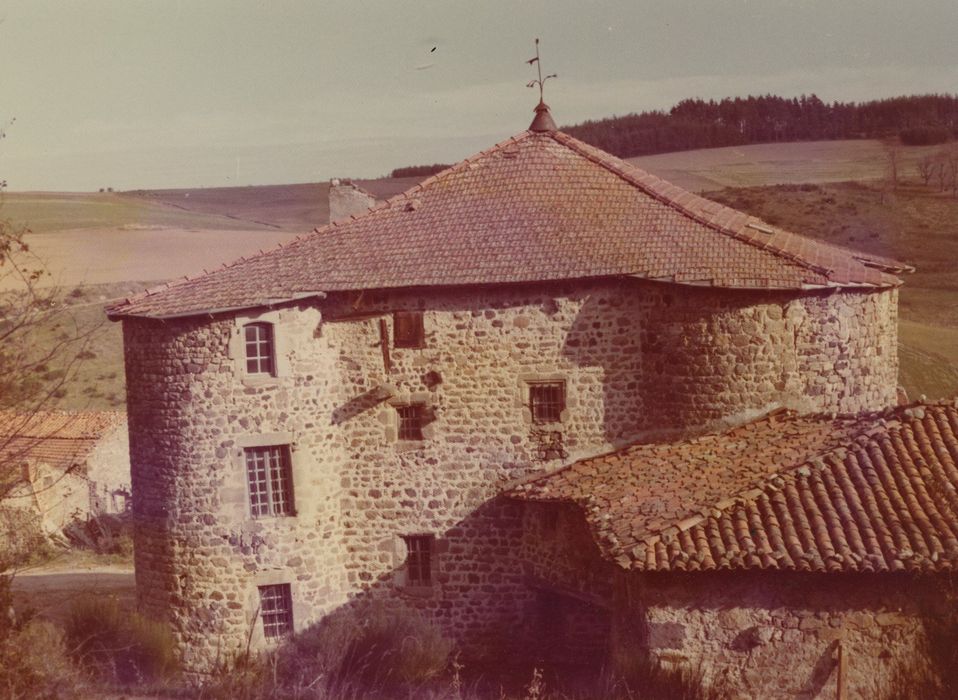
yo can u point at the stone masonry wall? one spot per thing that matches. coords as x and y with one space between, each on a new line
637 358
199 555
754 634
776 635
108 469
346 199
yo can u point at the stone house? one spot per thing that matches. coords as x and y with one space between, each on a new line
785 543
347 417
62 465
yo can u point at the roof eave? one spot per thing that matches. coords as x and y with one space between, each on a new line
114 316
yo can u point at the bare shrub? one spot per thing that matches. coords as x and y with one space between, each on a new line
22 539
645 677
117 645
34 664
107 534
388 649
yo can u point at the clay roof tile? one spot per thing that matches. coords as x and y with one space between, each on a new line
539 206
785 492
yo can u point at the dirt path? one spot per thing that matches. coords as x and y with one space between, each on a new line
51 590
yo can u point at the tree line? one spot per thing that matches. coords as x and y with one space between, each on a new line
734 121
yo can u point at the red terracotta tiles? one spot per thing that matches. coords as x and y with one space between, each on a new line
876 492
537 207
57 438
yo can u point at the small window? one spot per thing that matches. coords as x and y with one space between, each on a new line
408 329
547 401
419 559
411 419
259 348
270 477
276 609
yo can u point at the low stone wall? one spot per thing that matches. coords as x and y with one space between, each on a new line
776 634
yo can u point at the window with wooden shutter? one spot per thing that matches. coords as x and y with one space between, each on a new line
408 331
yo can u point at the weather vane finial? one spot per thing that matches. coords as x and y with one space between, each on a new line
541 81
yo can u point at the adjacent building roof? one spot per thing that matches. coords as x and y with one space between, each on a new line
870 493
55 438
539 206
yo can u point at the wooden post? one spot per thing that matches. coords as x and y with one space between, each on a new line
384 343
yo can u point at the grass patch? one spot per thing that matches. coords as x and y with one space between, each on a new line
117 646
34 663
387 650
916 225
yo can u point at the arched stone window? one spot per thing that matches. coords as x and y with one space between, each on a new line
260 343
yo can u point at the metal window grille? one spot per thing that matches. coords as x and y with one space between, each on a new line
419 559
259 348
410 421
547 401
276 609
408 329
270 477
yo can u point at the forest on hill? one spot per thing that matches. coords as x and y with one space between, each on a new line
734 121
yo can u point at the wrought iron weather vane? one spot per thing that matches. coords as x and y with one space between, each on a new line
541 81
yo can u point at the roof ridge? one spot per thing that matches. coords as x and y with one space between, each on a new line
628 172
461 165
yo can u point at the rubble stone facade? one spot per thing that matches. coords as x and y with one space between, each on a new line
743 626
635 359
753 634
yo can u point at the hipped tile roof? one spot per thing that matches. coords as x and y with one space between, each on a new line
864 494
56 438
538 206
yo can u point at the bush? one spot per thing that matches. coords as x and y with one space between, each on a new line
393 648
386 649
106 534
118 645
34 664
22 540
646 677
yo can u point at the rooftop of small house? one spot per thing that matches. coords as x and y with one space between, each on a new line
539 206
876 492
55 438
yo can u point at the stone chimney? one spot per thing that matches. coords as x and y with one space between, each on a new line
346 199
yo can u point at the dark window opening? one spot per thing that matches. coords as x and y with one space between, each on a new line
547 401
408 329
270 476
411 419
259 348
419 559
276 609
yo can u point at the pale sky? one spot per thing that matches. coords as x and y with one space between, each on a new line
136 93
